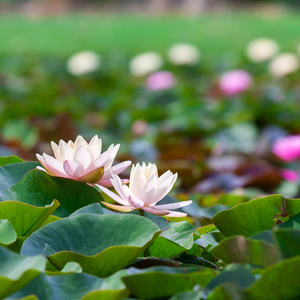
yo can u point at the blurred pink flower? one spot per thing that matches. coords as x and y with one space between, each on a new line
139 127
144 191
289 175
235 82
160 81
287 148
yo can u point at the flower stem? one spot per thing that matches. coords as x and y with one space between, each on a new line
142 212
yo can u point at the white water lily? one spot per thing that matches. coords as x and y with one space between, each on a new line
82 161
184 54
261 49
145 189
284 64
83 62
145 63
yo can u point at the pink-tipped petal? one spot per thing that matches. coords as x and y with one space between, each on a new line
135 202
93 176
83 157
176 214
73 169
113 195
155 211
175 205
119 168
121 208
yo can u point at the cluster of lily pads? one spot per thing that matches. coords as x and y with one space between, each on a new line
58 240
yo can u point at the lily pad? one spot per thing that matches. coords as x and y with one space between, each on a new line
101 244
39 189
255 216
16 270
238 249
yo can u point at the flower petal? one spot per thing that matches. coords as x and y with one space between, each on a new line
119 168
80 141
113 196
73 169
95 146
155 211
135 202
174 205
56 151
148 190
121 208
83 157
107 182
93 176
176 214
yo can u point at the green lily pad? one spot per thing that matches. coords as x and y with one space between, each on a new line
287 241
254 216
39 189
8 234
16 270
101 244
159 282
278 282
237 275
9 160
177 238
25 218
238 249
75 286
12 173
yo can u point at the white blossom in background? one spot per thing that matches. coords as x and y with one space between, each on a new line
145 189
83 62
145 63
263 49
184 54
82 161
284 64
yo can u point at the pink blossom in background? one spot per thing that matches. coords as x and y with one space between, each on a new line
139 127
287 148
235 82
160 81
289 175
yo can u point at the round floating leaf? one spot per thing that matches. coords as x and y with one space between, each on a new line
16 270
76 287
12 173
278 282
25 218
288 242
241 250
177 238
101 244
8 234
250 218
238 275
39 189
9 160
94 208
164 281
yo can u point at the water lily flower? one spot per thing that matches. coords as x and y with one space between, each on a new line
82 161
145 189
145 63
160 81
235 82
262 49
184 54
284 64
289 175
83 62
287 148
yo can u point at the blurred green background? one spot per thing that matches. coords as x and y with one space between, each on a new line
216 142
